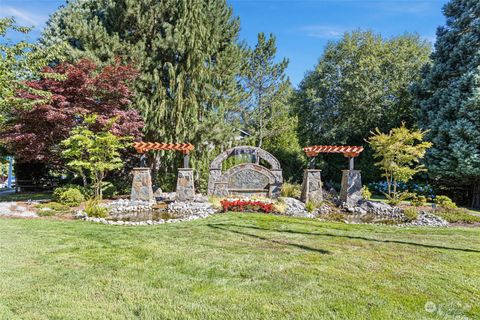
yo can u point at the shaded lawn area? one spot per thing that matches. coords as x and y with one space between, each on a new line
237 266
25 196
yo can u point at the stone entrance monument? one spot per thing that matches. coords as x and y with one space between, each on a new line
351 190
142 182
246 179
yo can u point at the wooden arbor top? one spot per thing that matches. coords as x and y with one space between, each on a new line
143 147
348 151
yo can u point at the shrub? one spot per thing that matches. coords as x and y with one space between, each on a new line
366 194
456 215
335 216
71 196
280 206
246 205
418 201
108 189
310 206
397 197
291 190
444 202
86 192
51 208
94 209
410 214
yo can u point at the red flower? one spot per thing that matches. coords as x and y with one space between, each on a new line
246 205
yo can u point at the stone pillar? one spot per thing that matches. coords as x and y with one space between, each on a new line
276 187
312 186
213 178
185 188
142 185
351 192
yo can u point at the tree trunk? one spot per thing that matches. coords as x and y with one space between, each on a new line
260 109
476 195
84 178
154 164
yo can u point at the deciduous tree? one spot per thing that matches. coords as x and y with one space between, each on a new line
34 134
361 82
19 62
399 153
92 151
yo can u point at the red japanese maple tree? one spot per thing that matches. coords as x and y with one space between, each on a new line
35 134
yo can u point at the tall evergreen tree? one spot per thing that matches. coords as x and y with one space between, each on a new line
187 55
449 99
266 111
361 82
268 89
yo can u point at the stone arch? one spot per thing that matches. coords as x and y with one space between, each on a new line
245 178
216 164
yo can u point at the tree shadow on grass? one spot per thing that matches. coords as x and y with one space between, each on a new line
224 226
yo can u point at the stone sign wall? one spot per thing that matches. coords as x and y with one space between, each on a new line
245 179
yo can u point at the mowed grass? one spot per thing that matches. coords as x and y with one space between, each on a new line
237 266
25 196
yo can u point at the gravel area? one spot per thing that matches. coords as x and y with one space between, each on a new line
17 210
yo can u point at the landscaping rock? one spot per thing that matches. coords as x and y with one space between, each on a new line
380 210
190 208
428 219
295 208
80 215
17 210
324 209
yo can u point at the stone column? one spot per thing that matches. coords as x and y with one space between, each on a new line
142 185
351 192
312 186
185 188
276 187
213 178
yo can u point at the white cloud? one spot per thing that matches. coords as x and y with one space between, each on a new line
23 17
323 31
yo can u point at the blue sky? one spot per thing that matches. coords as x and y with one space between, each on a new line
302 27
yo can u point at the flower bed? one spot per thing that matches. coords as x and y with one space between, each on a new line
246 205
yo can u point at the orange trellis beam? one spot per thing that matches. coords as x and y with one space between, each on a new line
348 151
143 147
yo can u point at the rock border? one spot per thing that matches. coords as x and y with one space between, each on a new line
143 223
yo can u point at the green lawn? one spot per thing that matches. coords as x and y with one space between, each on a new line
25 196
237 266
